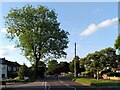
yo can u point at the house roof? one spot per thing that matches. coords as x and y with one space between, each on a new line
2 61
9 63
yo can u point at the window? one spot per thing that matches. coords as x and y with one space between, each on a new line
3 75
9 68
14 69
3 67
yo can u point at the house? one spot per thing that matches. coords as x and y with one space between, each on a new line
3 69
8 69
12 68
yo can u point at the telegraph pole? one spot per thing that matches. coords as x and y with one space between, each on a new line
75 49
75 62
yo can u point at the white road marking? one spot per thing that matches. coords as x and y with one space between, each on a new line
67 84
45 85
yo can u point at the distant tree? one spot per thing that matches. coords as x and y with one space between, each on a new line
64 67
105 58
37 32
82 63
117 43
23 71
108 57
52 67
117 46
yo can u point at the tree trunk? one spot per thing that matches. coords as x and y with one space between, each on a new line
36 69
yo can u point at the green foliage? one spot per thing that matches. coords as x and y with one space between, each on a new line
52 67
12 74
64 67
23 71
97 61
57 68
117 43
37 32
103 58
113 74
86 73
106 71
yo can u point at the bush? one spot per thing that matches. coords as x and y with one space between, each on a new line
23 71
86 73
10 80
12 74
106 71
113 74
17 79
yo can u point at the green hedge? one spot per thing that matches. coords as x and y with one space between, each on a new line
113 74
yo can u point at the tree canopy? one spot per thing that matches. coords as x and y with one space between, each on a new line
37 33
100 60
117 43
52 67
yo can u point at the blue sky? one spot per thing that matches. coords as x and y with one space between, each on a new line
92 25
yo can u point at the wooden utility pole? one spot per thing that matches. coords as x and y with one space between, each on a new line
75 62
75 49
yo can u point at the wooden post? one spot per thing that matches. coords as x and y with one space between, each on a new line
75 49
75 62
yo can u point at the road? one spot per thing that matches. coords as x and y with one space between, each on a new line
53 83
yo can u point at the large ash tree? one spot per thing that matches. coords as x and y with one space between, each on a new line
37 33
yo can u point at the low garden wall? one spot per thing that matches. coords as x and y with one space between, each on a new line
110 78
114 78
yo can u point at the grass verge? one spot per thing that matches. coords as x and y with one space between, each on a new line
94 82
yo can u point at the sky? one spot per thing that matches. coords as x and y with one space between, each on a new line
92 25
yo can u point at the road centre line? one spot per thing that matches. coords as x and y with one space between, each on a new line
66 84
45 85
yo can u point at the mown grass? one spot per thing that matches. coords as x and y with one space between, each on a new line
94 82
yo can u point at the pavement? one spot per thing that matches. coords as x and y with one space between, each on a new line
54 83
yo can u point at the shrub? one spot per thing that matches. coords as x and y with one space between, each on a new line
12 74
106 71
113 74
23 71
86 73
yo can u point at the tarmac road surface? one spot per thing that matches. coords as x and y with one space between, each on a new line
54 83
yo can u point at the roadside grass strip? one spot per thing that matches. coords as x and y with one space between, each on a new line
94 82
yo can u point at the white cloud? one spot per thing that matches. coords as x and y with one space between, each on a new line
3 30
94 27
10 47
6 50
